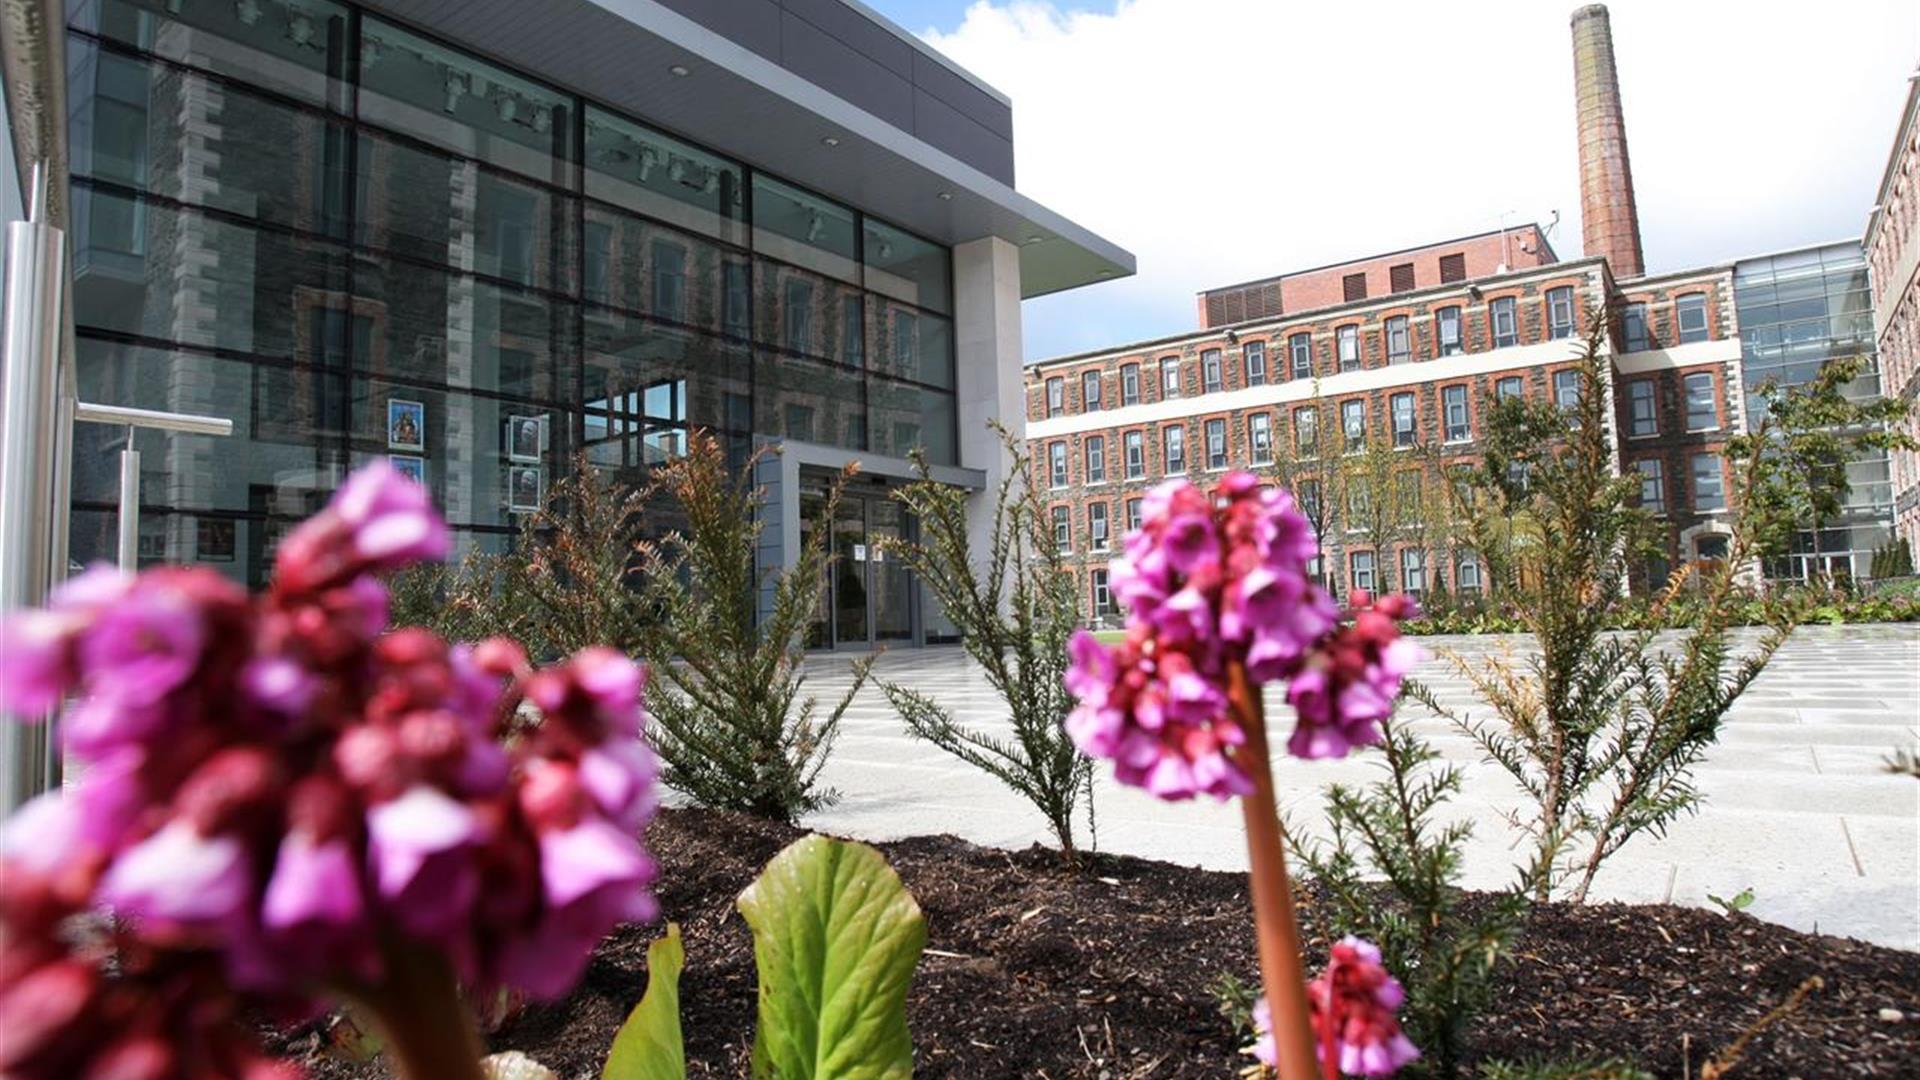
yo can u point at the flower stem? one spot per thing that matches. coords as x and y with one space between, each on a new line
425 1024
1275 928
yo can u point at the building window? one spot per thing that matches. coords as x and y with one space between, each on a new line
1260 438
1306 430
1354 287
1507 386
1170 377
1353 421
1175 447
1360 574
1097 526
1447 324
1309 497
1643 417
1056 396
1130 384
1404 433
1090 391
1703 412
1216 444
1062 530
1102 598
1506 328
1690 313
1349 339
1560 312
1057 464
1653 487
1399 340
1133 514
1413 572
669 280
1566 390
1453 268
1256 359
1301 348
1210 371
1466 575
1453 402
1709 488
1134 446
1400 278
1633 329
1096 459
799 316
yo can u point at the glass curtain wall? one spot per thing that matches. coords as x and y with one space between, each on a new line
358 242
1798 310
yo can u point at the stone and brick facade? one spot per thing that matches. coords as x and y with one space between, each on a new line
1893 255
1103 426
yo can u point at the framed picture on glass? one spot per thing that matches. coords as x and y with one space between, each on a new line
413 468
526 486
214 539
406 425
526 437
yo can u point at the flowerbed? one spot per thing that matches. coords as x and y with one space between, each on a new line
1033 972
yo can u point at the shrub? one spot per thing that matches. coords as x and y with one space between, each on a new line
730 722
1445 953
1015 607
1892 559
1600 732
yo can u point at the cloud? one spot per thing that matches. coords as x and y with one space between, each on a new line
1223 140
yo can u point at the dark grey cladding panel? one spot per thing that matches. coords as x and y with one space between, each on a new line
943 82
754 24
845 72
942 126
860 33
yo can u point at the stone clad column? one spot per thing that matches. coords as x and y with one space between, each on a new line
989 363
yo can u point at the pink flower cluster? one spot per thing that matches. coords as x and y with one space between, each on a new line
281 787
1355 1009
1211 582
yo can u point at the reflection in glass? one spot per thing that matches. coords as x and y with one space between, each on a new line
459 331
804 229
286 45
905 267
634 166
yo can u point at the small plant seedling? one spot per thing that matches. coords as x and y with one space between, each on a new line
1741 901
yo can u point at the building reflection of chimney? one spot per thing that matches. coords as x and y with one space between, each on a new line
1609 219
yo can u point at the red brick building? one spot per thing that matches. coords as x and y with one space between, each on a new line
1414 368
1893 254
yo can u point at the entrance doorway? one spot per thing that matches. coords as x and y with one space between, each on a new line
866 596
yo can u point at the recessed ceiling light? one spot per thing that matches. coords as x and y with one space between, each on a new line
1106 273
1035 239
830 141
680 70
946 196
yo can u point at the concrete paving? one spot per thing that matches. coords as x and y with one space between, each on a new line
1798 807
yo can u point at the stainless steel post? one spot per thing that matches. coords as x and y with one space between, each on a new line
129 553
30 351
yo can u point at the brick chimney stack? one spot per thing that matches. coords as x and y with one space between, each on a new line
1609 220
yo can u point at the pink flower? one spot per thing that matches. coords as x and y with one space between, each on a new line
36 666
1212 582
594 877
1359 1001
1355 1005
141 648
417 844
378 521
178 877
316 883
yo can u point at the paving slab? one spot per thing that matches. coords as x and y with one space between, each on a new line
1798 805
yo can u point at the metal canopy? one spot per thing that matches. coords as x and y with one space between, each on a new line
620 53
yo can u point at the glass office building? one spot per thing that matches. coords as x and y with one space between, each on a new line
1798 310
355 237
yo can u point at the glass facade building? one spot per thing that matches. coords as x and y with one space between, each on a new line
360 239
1797 310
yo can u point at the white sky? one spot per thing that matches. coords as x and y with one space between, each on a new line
1222 140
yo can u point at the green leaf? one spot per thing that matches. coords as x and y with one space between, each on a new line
835 939
648 1045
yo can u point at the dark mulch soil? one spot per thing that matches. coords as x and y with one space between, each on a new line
1034 973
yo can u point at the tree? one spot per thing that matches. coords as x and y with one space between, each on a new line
1807 436
1391 502
1307 465
1015 606
729 720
